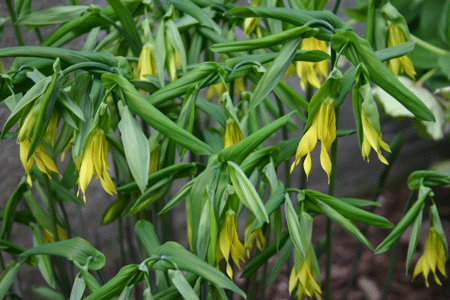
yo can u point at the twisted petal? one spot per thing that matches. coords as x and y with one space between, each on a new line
372 138
403 64
304 280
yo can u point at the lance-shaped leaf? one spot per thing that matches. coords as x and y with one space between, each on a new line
294 227
117 283
197 13
146 233
239 151
8 276
182 285
11 207
172 253
76 249
43 261
247 192
275 72
154 117
349 211
359 50
295 16
78 287
427 178
135 145
407 219
342 221
414 238
265 42
53 15
180 196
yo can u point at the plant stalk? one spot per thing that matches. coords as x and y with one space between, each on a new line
13 16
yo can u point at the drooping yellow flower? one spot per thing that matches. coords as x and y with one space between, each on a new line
250 24
304 281
402 64
433 256
173 62
228 242
146 63
312 72
50 132
256 236
44 163
94 161
372 139
49 237
219 88
323 128
232 134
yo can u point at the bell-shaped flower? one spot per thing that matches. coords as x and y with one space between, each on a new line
94 161
433 256
219 88
250 24
302 278
312 72
233 133
323 128
146 63
372 139
228 243
256 236
402 64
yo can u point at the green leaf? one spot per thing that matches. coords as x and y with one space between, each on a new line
427 178
128 25
247 192
79 285
172 253
11 207
294 227
343 222
267 41
146 234
11 248
407 219
50 16
414 238
155 117
182 285
379 73
349 211
136 147
76 249
8 276
47 293
180 196
117 283
274 73
43 261
197 13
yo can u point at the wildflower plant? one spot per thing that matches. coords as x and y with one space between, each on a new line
135 107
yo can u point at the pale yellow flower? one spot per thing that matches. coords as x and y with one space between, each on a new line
146 63
323 128
256 236
372 139
433 256
48 235
312 72
228 243
402 64
44 163
219 88
94 161
304 281
250 24
232 134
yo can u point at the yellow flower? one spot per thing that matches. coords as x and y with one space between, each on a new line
48 235
232 134
402 64
250 24
433 255
312 72
50 132
94 161
173 63
372 139
219 88
304 281
44 163
146 63
323 128
228 242
256 236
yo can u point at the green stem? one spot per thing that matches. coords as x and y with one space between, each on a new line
329 233
336 6
370 21
428 46
285 135
12 13
387 281
427 76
